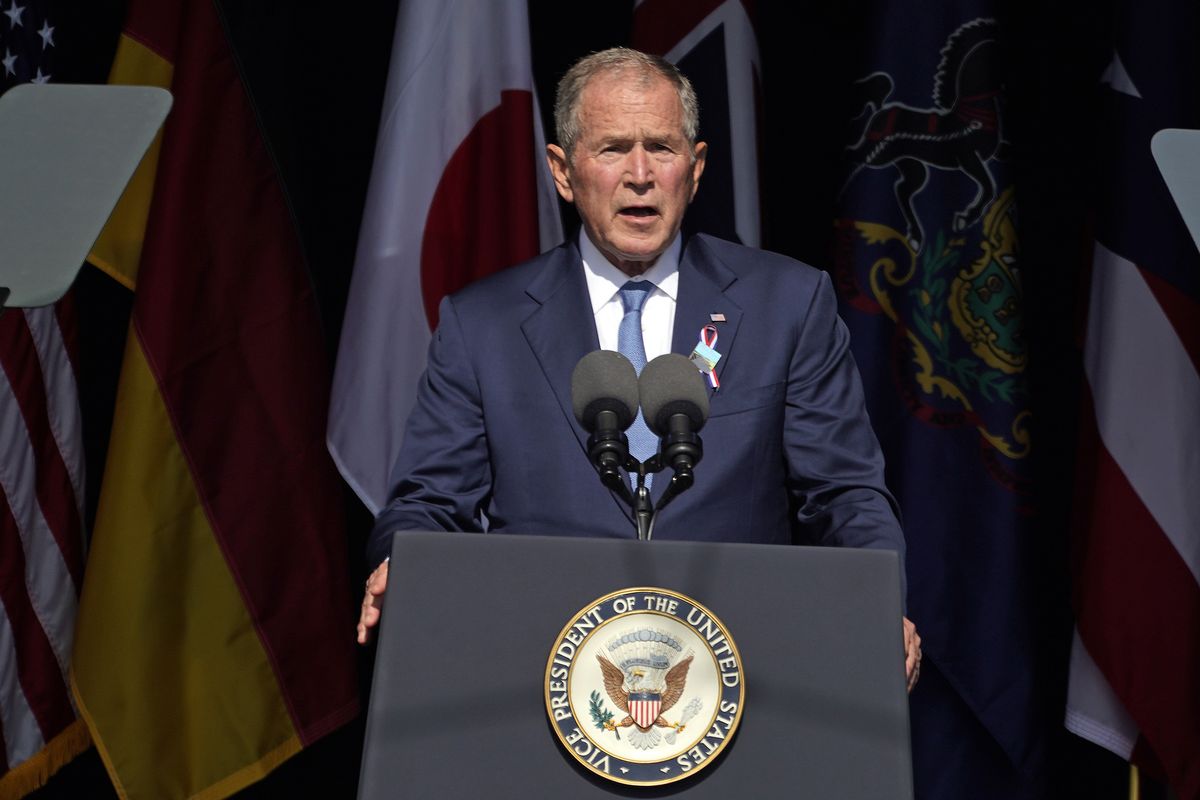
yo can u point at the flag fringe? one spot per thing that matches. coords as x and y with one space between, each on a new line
32 774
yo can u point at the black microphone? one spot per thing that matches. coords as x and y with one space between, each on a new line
675 407
604 397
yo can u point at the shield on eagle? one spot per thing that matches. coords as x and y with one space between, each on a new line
644 707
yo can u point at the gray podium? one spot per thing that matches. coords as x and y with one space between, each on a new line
458 703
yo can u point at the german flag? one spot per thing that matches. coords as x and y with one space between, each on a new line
215 627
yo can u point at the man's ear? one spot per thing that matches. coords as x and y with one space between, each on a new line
557 160
700 156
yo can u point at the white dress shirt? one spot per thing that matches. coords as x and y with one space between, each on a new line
604 282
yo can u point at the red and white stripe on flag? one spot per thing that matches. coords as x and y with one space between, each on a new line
41 534
1135 671
459 189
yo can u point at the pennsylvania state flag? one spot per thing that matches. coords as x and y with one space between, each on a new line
929 277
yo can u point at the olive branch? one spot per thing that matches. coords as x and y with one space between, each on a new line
601 715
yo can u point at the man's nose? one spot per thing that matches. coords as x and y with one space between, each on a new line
638 170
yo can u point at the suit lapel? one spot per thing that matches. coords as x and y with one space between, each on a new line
561 330
702 284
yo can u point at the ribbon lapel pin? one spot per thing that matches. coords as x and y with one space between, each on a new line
705 356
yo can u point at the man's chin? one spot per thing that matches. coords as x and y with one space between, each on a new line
634 254
635 261
648 249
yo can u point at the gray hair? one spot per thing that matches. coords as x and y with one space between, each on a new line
617 61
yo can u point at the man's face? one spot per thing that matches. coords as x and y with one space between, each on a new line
632 174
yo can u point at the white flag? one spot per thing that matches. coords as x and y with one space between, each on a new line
459 189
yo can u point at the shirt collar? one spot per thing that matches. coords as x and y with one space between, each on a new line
604 280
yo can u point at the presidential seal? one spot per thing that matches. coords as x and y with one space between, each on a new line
644 686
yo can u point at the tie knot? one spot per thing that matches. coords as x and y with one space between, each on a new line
634 294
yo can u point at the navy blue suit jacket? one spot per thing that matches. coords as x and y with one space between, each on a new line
789 454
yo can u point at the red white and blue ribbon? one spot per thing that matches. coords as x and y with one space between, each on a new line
705 356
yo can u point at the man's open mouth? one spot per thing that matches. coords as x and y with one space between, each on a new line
639 211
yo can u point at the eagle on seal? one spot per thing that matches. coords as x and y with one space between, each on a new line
619 691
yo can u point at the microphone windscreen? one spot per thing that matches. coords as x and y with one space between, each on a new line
604 380
671 384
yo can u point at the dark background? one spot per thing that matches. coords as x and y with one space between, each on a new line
316 75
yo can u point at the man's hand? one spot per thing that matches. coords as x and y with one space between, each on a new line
912 649
372 604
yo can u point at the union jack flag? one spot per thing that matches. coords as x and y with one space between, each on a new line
715 44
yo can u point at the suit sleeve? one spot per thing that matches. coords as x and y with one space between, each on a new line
835 465
443 477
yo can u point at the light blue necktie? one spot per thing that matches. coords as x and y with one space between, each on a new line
642 443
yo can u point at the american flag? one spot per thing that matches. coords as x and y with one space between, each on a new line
41 488
1135 665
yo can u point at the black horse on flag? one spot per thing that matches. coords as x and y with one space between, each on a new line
960 132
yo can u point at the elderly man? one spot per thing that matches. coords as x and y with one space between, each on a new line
792 457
